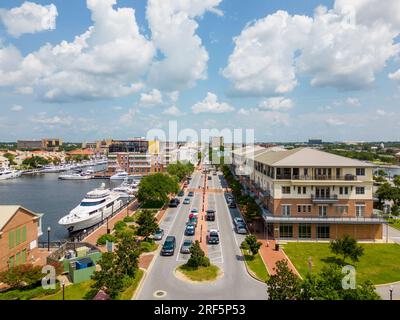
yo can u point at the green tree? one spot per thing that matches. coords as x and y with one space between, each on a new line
384 192
284 284
181 170
251 244
147 223
10 157
35 162
197 257
156 188
22 276
347 247
127 255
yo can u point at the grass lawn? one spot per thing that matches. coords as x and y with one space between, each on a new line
379 264
201 274
146 246
27 294
79 291
128 293
257 266
395 223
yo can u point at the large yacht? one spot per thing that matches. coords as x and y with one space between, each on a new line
97 205
7 173
120 175
78 175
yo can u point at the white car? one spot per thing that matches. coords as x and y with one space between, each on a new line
238 220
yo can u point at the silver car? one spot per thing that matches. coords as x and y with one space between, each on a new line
186 245
238 220
241 228
159 234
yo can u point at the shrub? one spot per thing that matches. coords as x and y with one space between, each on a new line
120 225
197 257
129 219
22 276
102 240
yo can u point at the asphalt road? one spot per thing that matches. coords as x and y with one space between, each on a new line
236 284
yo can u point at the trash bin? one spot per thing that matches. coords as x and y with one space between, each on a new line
276 246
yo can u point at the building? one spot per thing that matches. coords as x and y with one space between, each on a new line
20 229
100 146
308 194
46 144
81 152
216 142
314 142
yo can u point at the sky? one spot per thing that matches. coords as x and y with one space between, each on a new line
290 70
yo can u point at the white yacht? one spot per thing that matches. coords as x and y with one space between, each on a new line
127 187
97 205
120 175
88 174
7 173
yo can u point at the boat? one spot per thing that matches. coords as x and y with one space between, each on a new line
7 173
96 206
119 175
88 174
127 187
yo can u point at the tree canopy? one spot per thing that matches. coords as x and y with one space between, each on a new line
347 247
155 188
180 170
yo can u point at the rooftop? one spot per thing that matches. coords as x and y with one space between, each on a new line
8 211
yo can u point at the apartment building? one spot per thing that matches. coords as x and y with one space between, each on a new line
309 194
44 144
20 229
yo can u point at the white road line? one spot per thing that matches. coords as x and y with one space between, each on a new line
216 218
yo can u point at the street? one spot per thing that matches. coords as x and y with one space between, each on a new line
235 283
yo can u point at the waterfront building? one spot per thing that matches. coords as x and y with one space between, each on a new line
20 229
44 144
308 194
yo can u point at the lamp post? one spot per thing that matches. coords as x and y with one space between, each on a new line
391 292
48 238
108 230
63 289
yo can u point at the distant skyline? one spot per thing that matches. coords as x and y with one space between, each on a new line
291 70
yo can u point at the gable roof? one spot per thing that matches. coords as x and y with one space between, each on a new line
7 212
308 157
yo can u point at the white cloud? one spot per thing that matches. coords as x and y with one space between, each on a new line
16 108
173 27
174 96
29 18
381 112
128 118
152 98
210 104
343 48
116 108
276 103
51 121
172 111
334 121
395 75
107 61
24 90
354 102
243 112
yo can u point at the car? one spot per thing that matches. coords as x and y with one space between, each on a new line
190 229
168 248
186 245
193 219
159 234
229 198
238 220
173 203
186 201
191 194
213 236
194 211
210 215
181 193
232 204
241 228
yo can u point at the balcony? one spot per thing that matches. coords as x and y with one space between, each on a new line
347 177
324 199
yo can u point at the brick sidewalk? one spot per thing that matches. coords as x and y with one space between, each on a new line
271 257
201 230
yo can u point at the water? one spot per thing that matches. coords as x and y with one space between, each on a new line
48 195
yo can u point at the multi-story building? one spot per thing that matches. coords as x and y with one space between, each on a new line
311 194
46 144
216 142
20 229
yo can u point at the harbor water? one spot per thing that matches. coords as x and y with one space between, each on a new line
46 194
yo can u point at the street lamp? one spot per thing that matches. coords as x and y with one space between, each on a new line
48 238
63 288
391 292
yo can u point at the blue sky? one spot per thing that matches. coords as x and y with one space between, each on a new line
290 70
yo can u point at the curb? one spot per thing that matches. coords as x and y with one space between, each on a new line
251 274
388 284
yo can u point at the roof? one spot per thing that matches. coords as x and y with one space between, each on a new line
7 212
307 157
81 152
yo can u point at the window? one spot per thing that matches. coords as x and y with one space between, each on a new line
342 210
360 210
11 262
322 231
91 204
11 239
298 209
299 190
23 233
304 190
305 231
344 190
18 259
322 211
286 231
360 171
285 210
360 190
17 236
286 190
23 256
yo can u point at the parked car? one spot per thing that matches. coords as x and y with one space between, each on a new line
168 248
190 229
229 198
192 219
173 203
181 193
194 211
213 236
232 204
241 228
159 234
186 201
210 215
238 220
191 194
186 245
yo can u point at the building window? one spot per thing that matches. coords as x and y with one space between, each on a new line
286 231
360 171
285 210
322 211
11 239
298 209
11 262
286 190
299 190
304 190
342 210
360 210
322 232
360 190
305 231
344 190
